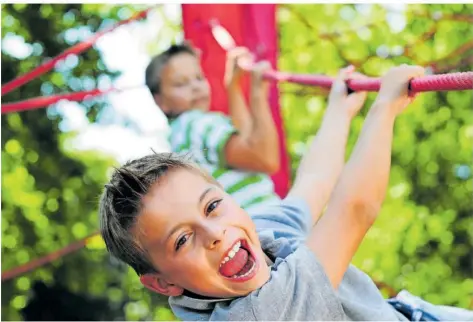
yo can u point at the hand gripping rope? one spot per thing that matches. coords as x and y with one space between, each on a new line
445 82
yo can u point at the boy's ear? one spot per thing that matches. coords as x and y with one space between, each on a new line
156 283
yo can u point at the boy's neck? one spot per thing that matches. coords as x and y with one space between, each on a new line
196 296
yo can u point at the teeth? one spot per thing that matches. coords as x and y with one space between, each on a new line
237 246
231 253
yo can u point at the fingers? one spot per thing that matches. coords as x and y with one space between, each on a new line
240 56
345 73
262 66
238 51
356 75
413 71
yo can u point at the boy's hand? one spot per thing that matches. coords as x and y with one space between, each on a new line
257 71
233 72
339 97
394 86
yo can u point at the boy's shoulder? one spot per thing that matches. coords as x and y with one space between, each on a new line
193 115
289 219
203 133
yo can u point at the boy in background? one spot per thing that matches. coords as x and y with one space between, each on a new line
240 151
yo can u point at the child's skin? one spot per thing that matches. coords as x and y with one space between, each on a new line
184 87
187 237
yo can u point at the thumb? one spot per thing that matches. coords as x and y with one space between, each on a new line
343 76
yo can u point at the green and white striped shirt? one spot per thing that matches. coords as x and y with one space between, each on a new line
204 135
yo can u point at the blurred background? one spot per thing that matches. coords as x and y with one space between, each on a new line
55 161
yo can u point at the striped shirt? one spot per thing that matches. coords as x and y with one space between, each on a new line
204 135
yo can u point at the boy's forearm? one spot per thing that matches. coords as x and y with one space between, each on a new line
238 109
357 197
365 176
322 164
264 136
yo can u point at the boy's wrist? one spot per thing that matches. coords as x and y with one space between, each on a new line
384 108
233 84
258 93
339 111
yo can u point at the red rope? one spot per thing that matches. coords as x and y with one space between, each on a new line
445 82
32 265
76 49
42 101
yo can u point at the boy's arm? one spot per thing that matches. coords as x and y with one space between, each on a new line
239 113
258 147
255 147
320 168
237 107
358 195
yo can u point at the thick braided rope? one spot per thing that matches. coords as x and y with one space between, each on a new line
445 82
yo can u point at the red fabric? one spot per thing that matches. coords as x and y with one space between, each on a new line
252 26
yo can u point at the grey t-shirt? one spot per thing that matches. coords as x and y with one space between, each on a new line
298 288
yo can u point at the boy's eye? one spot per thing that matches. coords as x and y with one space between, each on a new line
212 206
181 82
180 242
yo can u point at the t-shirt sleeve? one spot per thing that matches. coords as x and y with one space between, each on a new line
298 289
290 219
205 136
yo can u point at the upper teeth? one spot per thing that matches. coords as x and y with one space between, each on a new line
231 253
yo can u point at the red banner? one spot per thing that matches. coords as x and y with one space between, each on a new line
252 26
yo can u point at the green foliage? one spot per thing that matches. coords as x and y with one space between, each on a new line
422 240
50 191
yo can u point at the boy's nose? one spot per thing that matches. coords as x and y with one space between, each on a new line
214 236
197 86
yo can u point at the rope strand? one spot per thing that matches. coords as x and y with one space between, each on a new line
74 50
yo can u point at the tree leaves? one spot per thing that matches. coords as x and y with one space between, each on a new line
420 241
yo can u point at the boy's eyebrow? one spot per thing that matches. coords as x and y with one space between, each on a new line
201 198
206 191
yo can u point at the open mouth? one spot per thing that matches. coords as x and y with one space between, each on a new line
239 264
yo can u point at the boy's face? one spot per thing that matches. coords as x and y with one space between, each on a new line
183 86
192 231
